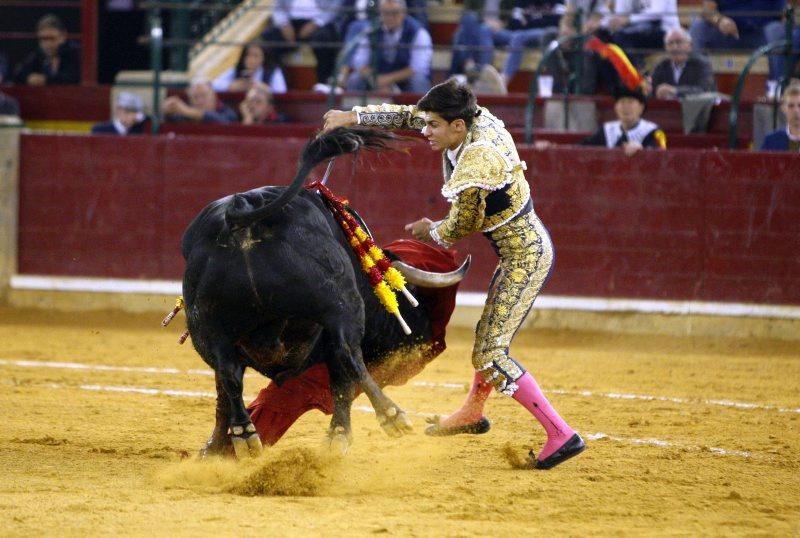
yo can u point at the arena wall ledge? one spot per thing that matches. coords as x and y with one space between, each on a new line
679 242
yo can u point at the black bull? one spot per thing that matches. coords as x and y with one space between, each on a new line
271 284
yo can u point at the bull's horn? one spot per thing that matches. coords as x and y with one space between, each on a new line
428 279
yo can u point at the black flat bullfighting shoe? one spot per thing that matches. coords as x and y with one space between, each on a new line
568 450
435 429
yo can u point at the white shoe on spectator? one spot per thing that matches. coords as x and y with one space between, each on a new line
490 82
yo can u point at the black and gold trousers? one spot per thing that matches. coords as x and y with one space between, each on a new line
526 257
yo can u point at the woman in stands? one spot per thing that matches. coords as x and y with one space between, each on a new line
255 64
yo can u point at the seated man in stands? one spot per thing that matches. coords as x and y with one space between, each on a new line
56 61
128 117
405 51
258 107
204 106
681 73
788 138
741 25
306 21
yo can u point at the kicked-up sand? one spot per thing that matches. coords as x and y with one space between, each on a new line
103 414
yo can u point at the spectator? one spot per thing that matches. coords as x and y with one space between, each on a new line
529 23
258 106
629 131
642 24
306 21
3 68
681 73
128 117
777 61
255 65
532 23
592 14
740 24
8 105
204 106
405 49
788 138
473 45
56 61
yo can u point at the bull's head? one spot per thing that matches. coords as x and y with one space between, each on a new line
428 279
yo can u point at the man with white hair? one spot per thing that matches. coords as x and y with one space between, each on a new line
405 51
681 73
203 106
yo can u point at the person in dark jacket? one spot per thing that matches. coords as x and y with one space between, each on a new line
681 73
128 117
56 61
405 51
788 138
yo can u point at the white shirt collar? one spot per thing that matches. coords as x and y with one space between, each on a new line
791 136
452 153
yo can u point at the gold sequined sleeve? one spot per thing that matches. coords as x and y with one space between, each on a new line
390 116
466 216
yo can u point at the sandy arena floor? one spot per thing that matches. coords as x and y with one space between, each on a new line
686 437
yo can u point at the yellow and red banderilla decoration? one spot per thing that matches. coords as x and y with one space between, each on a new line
382 276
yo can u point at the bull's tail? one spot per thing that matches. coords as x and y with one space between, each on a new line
336 142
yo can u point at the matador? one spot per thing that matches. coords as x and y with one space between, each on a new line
485 184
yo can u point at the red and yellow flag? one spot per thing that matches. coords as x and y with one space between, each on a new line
630 77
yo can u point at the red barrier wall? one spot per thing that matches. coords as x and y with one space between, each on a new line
682 225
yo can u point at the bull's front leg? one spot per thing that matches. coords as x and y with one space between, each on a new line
392 419
244 436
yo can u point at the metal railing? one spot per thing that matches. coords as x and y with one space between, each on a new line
786 46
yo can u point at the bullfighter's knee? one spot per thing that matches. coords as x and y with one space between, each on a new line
499 369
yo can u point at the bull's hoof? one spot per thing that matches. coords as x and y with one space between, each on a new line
339 440
437 430
395 422
246 442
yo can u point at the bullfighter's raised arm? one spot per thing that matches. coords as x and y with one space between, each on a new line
387 116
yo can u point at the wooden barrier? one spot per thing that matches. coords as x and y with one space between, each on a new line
678 225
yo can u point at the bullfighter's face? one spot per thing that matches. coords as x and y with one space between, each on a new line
442 134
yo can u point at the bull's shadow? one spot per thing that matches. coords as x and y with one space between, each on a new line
271 283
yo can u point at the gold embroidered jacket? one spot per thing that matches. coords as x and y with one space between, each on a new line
487 186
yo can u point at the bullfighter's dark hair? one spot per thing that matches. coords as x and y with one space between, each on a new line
452 100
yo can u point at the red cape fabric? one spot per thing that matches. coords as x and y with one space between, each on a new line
276 408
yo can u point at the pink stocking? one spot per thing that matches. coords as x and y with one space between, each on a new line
472 409
531 397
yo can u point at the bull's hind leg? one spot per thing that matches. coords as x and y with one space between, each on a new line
229 373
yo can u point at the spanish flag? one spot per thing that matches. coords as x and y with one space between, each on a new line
627 72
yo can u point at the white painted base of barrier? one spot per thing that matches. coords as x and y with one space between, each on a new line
467 299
